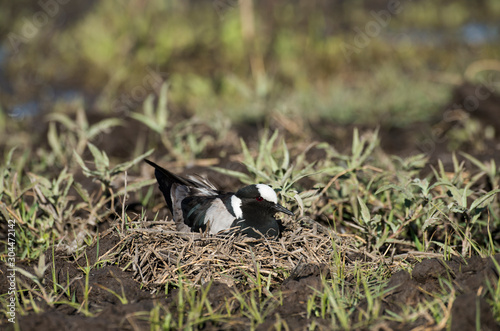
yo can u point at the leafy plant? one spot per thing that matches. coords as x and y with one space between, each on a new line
78 133
272 165
103 172
184 140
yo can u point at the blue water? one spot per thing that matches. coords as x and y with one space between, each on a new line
479 33
24 110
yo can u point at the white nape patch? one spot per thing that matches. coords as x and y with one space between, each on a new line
267 193
236 204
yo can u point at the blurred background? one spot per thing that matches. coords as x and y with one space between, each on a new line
425 72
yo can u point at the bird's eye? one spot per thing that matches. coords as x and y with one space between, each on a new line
260 198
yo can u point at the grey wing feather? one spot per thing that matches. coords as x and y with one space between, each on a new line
207 214
180 192
202 182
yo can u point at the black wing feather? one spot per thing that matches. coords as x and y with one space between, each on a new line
165 180
194 210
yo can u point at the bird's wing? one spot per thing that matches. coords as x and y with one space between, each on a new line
203 182
166 181
206 213
181 195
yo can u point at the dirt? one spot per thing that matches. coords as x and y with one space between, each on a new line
468 278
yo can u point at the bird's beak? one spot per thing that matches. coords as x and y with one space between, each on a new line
282 209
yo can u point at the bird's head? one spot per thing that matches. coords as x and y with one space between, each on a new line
258 197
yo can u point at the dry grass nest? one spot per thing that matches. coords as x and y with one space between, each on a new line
159 255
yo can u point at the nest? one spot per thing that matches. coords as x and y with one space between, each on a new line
160 255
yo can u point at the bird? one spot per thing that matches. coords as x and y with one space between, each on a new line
198 206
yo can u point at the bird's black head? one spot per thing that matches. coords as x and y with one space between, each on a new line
254 207
259 198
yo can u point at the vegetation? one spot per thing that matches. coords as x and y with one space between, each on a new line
225 97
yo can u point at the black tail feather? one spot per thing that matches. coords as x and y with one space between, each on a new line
165 180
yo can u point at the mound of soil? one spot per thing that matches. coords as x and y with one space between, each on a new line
469 279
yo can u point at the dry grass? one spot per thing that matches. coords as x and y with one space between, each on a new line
160 255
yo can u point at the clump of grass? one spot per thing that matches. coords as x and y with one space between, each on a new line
74 134
272 164
184 140
38 291
189 309
46 203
